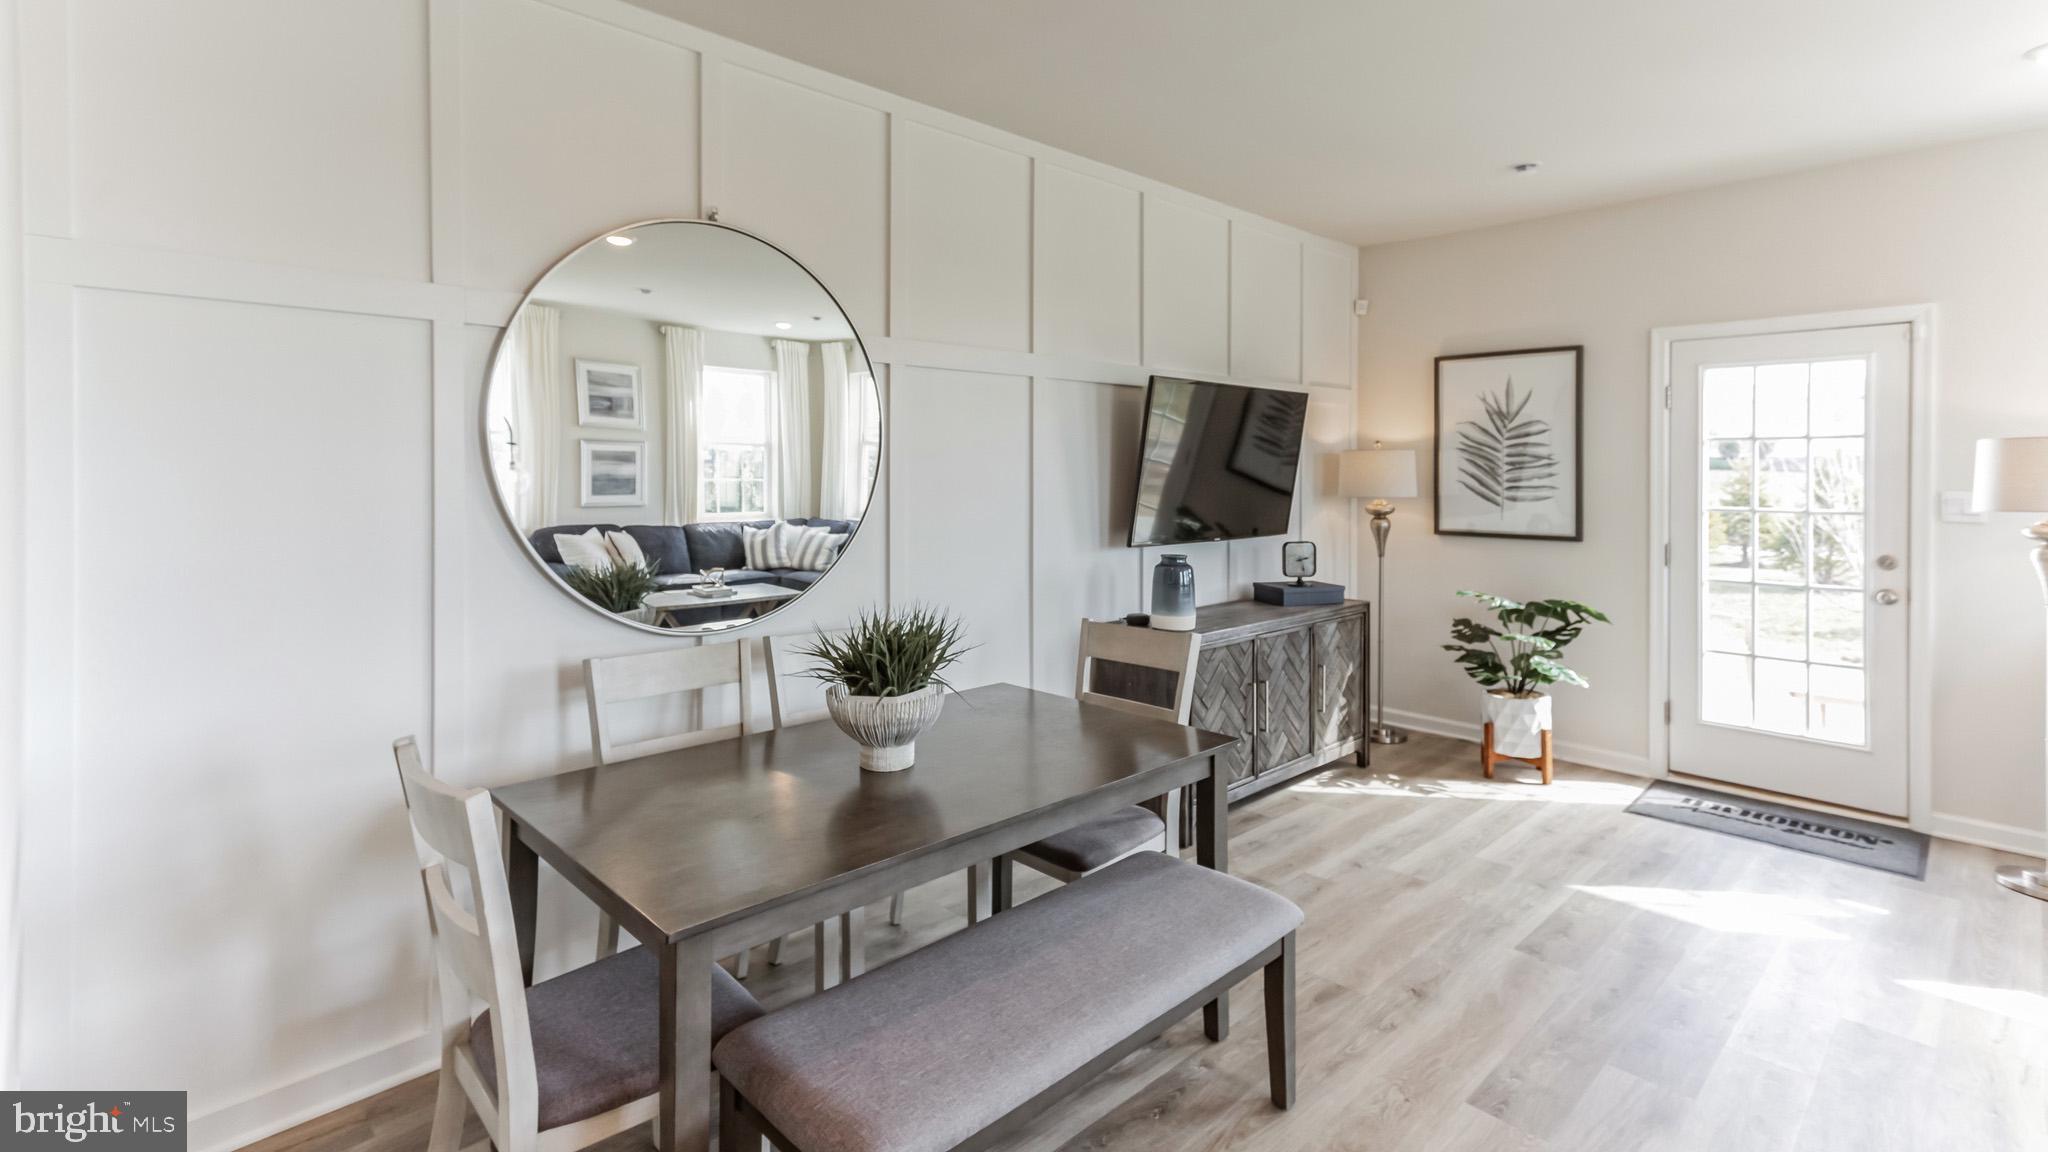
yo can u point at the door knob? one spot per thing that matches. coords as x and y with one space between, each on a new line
1886 597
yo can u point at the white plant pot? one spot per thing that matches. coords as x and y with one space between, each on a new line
885 727
1519 723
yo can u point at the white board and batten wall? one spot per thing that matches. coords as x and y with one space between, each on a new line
268 250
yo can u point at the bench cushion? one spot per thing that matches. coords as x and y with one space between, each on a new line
596 1034
925 1051
1091 845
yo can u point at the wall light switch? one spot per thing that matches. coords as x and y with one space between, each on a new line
1955 509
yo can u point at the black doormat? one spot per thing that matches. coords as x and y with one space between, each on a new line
1872 845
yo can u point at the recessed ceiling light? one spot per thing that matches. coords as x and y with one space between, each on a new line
784 325
619 241
1528 166
2038 54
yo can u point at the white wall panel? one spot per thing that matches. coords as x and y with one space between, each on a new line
1085 275
809 172
1265 304
1324 516
1328 281
569 127
254 547
1187 288
960 484
1258 559
962 229
1083 472
204 126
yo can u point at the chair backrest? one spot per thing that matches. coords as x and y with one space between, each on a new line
1152 673
616 680
475 946
786 659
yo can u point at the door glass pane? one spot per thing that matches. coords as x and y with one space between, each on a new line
1781 696
1728 477
1728 617
1838 705
1782 496
1781 474
1781 622
1728 545
1781 548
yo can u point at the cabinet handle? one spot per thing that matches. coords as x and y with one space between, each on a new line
1265 706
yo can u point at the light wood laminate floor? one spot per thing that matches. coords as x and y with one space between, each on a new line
1501 966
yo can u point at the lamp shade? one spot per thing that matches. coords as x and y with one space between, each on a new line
2012 475
1376 474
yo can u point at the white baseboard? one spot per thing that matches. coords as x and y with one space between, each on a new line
1627 763
1988 834
268 1113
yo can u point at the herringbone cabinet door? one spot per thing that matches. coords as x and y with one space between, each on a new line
1339 680
1283 720
1223 701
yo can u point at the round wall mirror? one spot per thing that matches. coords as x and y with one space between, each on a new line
682 426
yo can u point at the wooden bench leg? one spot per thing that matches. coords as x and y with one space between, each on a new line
896 910
1000 877
1546 765
736 1131
1280 1023
980 893
1216 1018
1486 750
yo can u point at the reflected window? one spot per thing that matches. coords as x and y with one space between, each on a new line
732 444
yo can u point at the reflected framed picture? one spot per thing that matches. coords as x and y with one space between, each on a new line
607 395
614 473
1508 459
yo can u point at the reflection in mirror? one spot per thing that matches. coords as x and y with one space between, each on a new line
682 426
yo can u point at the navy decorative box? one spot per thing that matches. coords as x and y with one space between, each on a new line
1288 594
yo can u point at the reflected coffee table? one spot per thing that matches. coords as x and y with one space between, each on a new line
756 598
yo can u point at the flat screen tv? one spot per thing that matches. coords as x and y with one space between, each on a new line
1216 462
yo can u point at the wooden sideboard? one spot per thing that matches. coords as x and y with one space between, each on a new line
1291 683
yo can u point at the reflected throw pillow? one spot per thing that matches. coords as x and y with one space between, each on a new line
626 549
586 551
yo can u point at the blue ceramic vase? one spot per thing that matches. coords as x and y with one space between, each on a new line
1173 594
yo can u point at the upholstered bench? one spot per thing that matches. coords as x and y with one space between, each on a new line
960 1043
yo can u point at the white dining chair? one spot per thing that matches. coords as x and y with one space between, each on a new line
611 682
552 1068
1150 673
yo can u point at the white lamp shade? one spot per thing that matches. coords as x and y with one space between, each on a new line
2012 475
1376 474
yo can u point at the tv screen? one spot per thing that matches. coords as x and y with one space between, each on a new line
1216 462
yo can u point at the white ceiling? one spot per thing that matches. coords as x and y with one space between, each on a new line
1373 120
700 275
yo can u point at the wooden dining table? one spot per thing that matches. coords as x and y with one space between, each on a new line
705 851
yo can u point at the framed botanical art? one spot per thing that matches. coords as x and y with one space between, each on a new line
607 395
614 473
1507 444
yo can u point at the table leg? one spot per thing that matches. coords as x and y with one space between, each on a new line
522 877
980 893
841 948
684 1090
1212 850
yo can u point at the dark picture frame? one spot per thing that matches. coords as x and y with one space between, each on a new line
1502 454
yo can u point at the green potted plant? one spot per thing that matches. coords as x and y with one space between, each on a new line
885 680
1515 661
619 587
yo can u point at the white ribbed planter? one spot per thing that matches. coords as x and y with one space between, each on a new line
885 727
1519 723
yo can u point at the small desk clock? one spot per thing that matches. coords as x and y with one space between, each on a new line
1297 559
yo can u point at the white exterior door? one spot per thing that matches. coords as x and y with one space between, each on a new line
1789 528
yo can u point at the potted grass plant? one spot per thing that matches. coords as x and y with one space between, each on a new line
621 588
1517 660
885 680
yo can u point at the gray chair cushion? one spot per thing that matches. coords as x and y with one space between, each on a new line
596 1034
925 1051
1097 842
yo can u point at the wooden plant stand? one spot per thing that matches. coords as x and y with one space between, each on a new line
1488 757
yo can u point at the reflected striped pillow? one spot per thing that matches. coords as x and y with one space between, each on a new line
791 546
816 548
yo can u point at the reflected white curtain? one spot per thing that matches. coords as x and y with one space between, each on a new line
839 487
535 367
684 381
790 424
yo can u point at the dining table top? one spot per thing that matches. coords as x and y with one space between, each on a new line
702 836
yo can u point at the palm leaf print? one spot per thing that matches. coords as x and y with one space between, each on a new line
1506 458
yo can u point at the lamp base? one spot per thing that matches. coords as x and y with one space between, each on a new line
1383 734
2026 881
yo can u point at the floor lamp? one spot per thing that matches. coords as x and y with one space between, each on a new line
1380 475
2012 476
